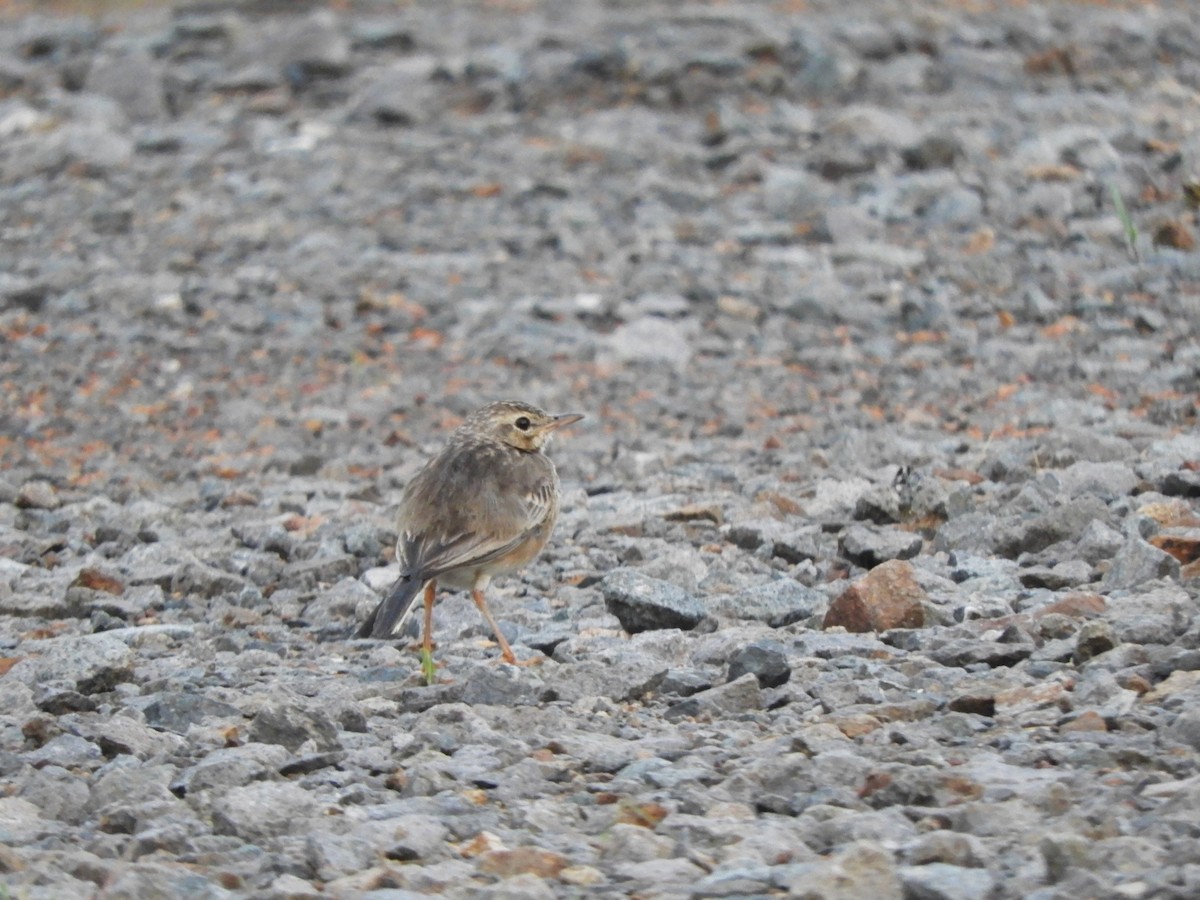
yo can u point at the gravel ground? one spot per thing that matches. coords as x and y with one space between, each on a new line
876 574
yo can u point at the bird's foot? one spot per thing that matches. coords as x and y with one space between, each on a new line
513 661
428 666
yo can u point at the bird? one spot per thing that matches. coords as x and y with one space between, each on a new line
485 505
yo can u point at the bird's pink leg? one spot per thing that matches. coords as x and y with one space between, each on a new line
505 650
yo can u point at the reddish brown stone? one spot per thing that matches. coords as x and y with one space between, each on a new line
875 781
1075 606
886 597
1090 720
533 860
1184 547
1175 235
1017 700
1132 681
854 725
99 581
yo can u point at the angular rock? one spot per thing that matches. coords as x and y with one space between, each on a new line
949 847
290 725
942 881
228 767
968 652
777 603
494 685
650 340
201 581
765 660
37 494
134 80
1156 616
727 699
886 597
868 547
1137 562
1094 638
642 603
1071 573
178 711
315 573
124 783
262 810
791 543
1039 531
91 664
145 879
66 750
861 869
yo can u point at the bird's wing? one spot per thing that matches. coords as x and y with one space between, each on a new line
483 539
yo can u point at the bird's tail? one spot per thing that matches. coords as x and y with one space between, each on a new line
388 617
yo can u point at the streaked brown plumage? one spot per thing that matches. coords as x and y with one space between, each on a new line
484 506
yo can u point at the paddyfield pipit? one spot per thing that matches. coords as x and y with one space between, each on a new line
484 506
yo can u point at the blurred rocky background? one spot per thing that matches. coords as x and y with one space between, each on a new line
877 568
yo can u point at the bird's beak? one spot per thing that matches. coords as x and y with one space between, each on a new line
565 419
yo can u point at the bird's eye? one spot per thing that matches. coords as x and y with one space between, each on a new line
523 423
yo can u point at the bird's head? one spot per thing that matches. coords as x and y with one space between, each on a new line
518 424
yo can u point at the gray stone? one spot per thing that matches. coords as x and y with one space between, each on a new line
650 340
57 697
942 881
793 193
949 847
765 660
967 652
597 752
133 79
124 782
201 581
290 724
738 696
262 810
777 603
58 793
145 880
733 878
1071 573
90 664
503 685
1040 531
1065 852
644 604
868 547
1136 563
320 571
1186 729
862 869
66 750
1155 616
228 767
1094 638
1108 480
268 535
791 543
402 95
177 711
37 494
1182 483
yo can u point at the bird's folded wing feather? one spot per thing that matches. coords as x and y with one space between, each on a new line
433 554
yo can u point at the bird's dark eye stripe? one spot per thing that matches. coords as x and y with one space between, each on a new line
523 423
